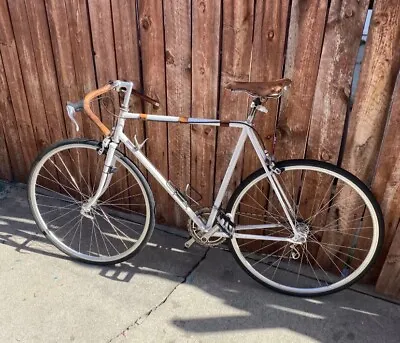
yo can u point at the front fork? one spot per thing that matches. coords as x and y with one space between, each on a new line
108 170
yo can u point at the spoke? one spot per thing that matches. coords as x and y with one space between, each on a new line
73 226
124 190
122 178
79 169
329 188
73 183
119 220
334 223
279 261
101 233
301 262
56 182
62 186
312 268
262 215
104 215
69 221
268 255
270 203
330 281
321 210
55 209
63 215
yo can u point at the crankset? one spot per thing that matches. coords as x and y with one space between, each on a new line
197 234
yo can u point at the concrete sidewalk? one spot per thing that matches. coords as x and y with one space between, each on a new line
165 294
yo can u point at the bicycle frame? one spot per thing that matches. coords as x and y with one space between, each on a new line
117 136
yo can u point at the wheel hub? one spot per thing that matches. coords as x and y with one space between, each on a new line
301 234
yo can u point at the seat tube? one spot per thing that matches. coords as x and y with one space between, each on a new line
275 185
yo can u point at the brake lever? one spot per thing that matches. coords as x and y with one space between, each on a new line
72 108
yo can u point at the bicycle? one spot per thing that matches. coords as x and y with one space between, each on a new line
301 227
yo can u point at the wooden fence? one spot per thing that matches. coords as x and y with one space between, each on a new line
183 53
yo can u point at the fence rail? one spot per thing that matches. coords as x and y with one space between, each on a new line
184 53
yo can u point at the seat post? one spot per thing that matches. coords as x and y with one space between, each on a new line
253 109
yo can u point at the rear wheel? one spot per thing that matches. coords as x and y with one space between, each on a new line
64 177
338 216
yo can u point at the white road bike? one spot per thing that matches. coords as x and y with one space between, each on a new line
301 227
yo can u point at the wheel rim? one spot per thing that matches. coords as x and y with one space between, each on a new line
323 264
63 180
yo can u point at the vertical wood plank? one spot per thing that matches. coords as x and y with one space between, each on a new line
63 57
5 170
332 93
306 32
237 31
103 46
81 47
205 62
9 123
331 99
13 76
368 117
386 188
101 21
127 56
378 75
128 68
41 45
153 69
29 72
389 279
177 22
267 64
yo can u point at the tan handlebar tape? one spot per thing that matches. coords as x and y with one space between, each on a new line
86 105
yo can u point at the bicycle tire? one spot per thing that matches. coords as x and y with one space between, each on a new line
112 216
344 177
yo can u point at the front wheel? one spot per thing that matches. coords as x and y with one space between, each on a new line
339 221
114 229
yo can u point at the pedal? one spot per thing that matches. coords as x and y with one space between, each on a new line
189 243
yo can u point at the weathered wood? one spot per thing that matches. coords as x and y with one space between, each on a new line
128 68
47 74
237 31
368 117
16 92
63 57
177 22
331 99
101 21
29 72
386 185
205 62
11 135
127 56
266 65
153 70
5 170
81 46
306 32
375 87
389 279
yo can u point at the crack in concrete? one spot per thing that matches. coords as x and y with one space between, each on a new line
144 316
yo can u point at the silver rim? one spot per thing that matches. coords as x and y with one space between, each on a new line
113 229
341 214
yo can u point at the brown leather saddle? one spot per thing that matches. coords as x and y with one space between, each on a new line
270 89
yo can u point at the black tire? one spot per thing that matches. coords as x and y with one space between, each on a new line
131 168
283 165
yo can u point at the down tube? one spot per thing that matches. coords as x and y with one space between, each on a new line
160 179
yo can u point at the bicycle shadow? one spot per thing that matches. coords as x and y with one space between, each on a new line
219 282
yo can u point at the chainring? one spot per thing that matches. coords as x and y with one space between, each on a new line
197 233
